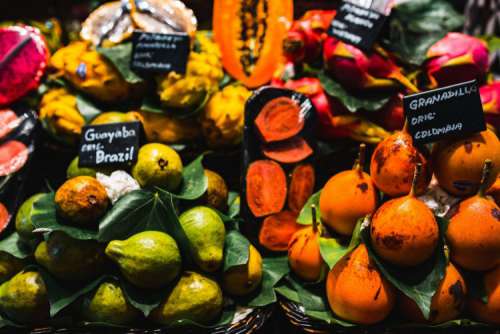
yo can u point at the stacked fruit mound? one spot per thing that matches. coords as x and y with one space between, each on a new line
109 247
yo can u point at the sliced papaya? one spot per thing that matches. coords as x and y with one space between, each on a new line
277 230
250 34
4 217
265 188
8 122
279 119
289 151
13 156
301 186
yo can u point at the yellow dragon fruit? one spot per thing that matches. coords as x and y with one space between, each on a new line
223 117
60 116
90 72
166 129
203 74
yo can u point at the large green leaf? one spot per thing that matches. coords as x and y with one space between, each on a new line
332 250
120 56
416 25
235 250
45 219
418 283
194 181
351 102
13 245
305 215
273 270
233 203
86 108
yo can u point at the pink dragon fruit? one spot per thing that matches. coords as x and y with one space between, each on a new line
357 70
391 117
490 98
23 60
305 38
334 120
456 58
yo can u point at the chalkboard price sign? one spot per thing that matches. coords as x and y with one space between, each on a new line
444 112
109 144
159 53
356 25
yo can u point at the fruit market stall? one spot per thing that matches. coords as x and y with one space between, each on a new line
170 166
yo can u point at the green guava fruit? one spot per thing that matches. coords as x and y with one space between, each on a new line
24 226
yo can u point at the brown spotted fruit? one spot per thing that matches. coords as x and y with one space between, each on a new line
447 303
393 164
403 230
81 200
347 197
357 291
474 230
304 255
458 163
488 312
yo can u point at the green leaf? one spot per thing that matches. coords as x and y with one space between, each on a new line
15 246
418 283
120 56
236 250
332 250
233 203
194 181
273 270
305 216
143 300
351 102
151 104
46 220
416 25
86 108
226 318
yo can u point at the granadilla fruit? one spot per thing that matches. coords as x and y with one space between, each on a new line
87 70
202 77
60 116
223 117
488 311
490 98
456 58
360 71
23 60
304 41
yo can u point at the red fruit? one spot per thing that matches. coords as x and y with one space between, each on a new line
392 117
289 151
279 119
8 122
304 39
301 186
23 59
277 230
357 70
265 188
490 98
13 156
4 217
456 58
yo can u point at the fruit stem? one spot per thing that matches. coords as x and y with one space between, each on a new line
314 218
416 176
484 177
405 125
359 165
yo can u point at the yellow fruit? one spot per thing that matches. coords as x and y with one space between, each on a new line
60 115
162 128
223 117
116 117
203 73
244 279
217 192
88 71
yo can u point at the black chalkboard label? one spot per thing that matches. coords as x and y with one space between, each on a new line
159 53
109 144
444 112
356 25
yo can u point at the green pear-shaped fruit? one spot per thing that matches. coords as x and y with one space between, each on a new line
71 259
24 298
108 304
206 233
9 266
24 226
158 165
149 259
195 297
74 170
